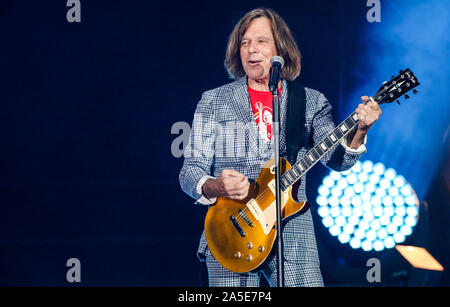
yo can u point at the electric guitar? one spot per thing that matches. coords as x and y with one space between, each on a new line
241 234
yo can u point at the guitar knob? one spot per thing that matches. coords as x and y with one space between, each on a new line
249 258
249 245
261 249
237 255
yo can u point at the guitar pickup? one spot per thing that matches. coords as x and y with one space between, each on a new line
237 226
246 218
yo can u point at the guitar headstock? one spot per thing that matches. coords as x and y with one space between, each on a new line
399 85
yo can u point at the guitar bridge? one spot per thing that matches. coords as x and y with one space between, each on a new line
237 226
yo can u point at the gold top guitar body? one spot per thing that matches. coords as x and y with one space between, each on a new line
240 234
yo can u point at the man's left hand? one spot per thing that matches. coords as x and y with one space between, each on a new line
367 113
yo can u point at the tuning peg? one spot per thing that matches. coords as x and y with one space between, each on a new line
401 71
393 77
384 82
415 91
398 101
406 96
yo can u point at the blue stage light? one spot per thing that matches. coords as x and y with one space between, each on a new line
367 166
324 191
344 237
369 206
379 168
355 243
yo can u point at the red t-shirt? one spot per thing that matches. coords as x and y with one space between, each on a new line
262 111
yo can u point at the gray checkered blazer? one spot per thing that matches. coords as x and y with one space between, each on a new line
224 135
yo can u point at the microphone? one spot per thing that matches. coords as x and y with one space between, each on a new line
277 64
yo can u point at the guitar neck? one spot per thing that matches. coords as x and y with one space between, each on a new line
318 151
387 93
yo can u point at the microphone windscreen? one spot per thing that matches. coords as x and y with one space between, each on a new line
277 59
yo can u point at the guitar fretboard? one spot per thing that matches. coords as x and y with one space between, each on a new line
318 151
390 91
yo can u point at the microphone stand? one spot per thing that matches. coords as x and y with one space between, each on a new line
276 138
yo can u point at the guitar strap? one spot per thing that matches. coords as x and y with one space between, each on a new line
295 116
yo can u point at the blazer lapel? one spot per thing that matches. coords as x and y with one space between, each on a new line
283 110
240 103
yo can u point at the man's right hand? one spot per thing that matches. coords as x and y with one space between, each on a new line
230 184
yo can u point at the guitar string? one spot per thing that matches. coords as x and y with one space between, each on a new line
259 198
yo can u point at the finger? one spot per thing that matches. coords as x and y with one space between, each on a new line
236 187
372 108
364 98
372 113
373 105
360 107
369 110
368 120
361 110
241 194
362 121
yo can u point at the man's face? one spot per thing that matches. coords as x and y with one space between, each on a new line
257 48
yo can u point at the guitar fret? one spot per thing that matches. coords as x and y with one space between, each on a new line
343 127
319 150
306 163
289 176
315 154
300 165
328 142
349 122
333 138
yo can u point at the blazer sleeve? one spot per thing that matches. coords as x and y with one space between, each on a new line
341 157
199 152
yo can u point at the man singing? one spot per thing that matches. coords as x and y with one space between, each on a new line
219 162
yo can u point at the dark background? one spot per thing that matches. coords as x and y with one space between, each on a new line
86 168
